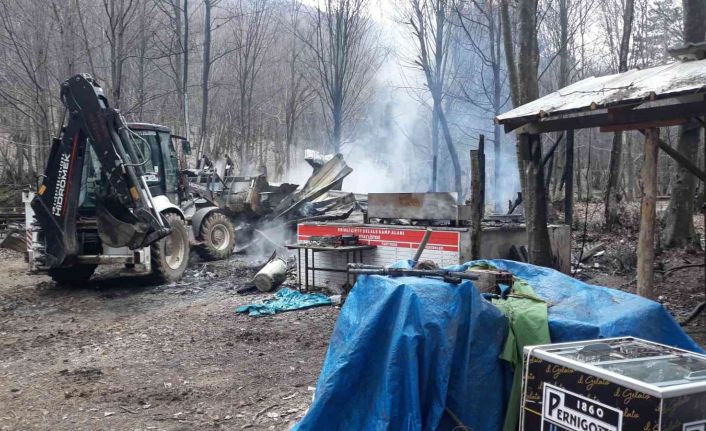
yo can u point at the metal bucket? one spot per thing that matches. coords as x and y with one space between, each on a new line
271 275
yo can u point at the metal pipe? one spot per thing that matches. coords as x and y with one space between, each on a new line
357 268
422 246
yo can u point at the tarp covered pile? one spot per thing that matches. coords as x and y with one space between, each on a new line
405 351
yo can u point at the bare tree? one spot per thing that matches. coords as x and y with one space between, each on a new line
205 74
297 92
429 21
481 24
173 47
121 14
613 194
524 85
679 226
185 73
344 57
24 82
252 32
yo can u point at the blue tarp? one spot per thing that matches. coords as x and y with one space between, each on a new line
580 311
285 300
405 348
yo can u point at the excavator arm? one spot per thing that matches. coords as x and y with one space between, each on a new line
125 211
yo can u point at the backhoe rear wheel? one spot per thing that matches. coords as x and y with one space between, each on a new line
74 275
170 255
217 237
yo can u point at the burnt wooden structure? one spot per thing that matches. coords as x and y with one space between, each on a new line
643 100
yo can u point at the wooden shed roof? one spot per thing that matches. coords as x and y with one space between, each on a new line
628 89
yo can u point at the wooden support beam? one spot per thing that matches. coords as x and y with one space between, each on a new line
628 119
646 239
679 158
645 125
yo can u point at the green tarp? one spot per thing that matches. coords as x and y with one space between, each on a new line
528 325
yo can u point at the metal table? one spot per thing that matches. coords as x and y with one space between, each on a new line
354 251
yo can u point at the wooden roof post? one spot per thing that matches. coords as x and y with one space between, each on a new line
646 241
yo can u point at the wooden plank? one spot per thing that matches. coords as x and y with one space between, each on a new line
629 119
646 239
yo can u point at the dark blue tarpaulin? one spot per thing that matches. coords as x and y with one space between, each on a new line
406 348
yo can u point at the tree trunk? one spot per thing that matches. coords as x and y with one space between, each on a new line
535 202
569 179
337 128
178 57
495 48
452 153
613 194
185 74
679 219
679 226
563 80
645 244
203 141
529 147
578 176
434 146
630 170
141 60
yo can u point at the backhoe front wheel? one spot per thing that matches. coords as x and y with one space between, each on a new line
217 237
170 255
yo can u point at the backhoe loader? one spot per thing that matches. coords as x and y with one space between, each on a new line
100 199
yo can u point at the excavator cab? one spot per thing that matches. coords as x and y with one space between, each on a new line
161 161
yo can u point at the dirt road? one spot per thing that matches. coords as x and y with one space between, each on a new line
124 355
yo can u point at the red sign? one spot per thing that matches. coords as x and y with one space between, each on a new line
385 236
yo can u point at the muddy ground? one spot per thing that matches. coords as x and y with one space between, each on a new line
120 354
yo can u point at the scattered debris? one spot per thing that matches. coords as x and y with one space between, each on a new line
258 207
596 251
264 410
14 239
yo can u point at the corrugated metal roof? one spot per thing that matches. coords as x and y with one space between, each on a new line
635 85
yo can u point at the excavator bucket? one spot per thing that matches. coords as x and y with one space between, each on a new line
118 227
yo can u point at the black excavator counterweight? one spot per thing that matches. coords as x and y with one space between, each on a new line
125 213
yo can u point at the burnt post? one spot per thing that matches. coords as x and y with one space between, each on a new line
477 201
